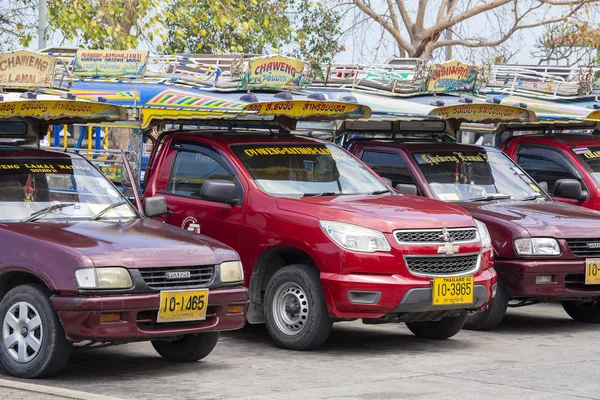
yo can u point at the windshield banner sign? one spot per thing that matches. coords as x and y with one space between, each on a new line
131 63
25 69
482 112
276 72
452 76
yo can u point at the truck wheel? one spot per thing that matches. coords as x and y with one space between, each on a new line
490 318
583 311
295 309
34 344
187 349
442 329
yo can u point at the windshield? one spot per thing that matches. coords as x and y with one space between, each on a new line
70 189
307 170
477 175
590 158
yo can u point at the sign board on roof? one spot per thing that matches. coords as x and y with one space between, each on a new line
452 76
274 72
484 112
25 69
127 63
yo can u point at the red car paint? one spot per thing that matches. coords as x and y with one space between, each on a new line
263 225
508 220
560 146
49 252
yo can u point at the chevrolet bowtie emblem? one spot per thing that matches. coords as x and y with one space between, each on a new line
448 248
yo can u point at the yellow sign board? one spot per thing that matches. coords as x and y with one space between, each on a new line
305 109
275 72
110 62
25 69
484 113
593 116
59 109
452 76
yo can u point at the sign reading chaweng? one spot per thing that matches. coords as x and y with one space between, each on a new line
25 69
110 63
275 72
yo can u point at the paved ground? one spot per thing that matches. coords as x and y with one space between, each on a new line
538 353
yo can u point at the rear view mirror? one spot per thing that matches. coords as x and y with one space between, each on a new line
544 186
569 189
155 206
387 180
219 191
406 188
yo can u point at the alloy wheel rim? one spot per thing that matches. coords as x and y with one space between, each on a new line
290 308
22 332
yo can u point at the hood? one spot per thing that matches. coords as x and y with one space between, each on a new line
139 243
549 218
383 213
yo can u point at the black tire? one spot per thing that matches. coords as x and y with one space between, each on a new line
311 323
588 312
439 330
54 348
187 349
490 318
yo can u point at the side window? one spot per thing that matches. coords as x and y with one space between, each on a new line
191 169
388 165
544 165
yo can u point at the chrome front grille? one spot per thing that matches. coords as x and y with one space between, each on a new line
156 278
442 265
584 247
423 236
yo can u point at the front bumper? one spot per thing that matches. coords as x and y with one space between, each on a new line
567 282
394 294
80 316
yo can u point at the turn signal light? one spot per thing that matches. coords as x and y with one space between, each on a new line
235 309
113 317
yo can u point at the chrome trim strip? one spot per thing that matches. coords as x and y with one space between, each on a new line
469 272
477 238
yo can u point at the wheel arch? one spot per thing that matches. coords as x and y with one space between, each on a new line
12 278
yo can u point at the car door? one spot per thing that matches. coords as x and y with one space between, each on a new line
546 164
193 164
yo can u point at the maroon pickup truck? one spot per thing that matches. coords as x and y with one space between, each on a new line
543 249
79 263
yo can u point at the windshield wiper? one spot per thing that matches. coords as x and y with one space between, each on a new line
379 192
107 209
319 194
532 197
491 197
44 211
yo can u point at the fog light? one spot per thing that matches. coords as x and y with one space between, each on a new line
543 279
235 309
360 297
112 317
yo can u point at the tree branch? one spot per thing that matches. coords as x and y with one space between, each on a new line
386 25
405 17
420 15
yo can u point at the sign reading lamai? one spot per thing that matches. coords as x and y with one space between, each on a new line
93 63
25 69
452 76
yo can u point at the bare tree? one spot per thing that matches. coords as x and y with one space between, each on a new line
418 32
568 44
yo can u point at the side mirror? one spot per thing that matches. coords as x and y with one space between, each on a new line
544 186
568 188
387 180
219 191
406 188
155 206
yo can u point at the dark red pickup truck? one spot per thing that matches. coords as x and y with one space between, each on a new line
322 238
544 250
79 263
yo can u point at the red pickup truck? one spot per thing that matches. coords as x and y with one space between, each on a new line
543 249
322 238
566 165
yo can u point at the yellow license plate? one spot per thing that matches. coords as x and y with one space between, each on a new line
183 305
454 290
592 271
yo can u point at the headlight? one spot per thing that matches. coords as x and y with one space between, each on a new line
231 271
537 247
355 238
484 234
103 278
